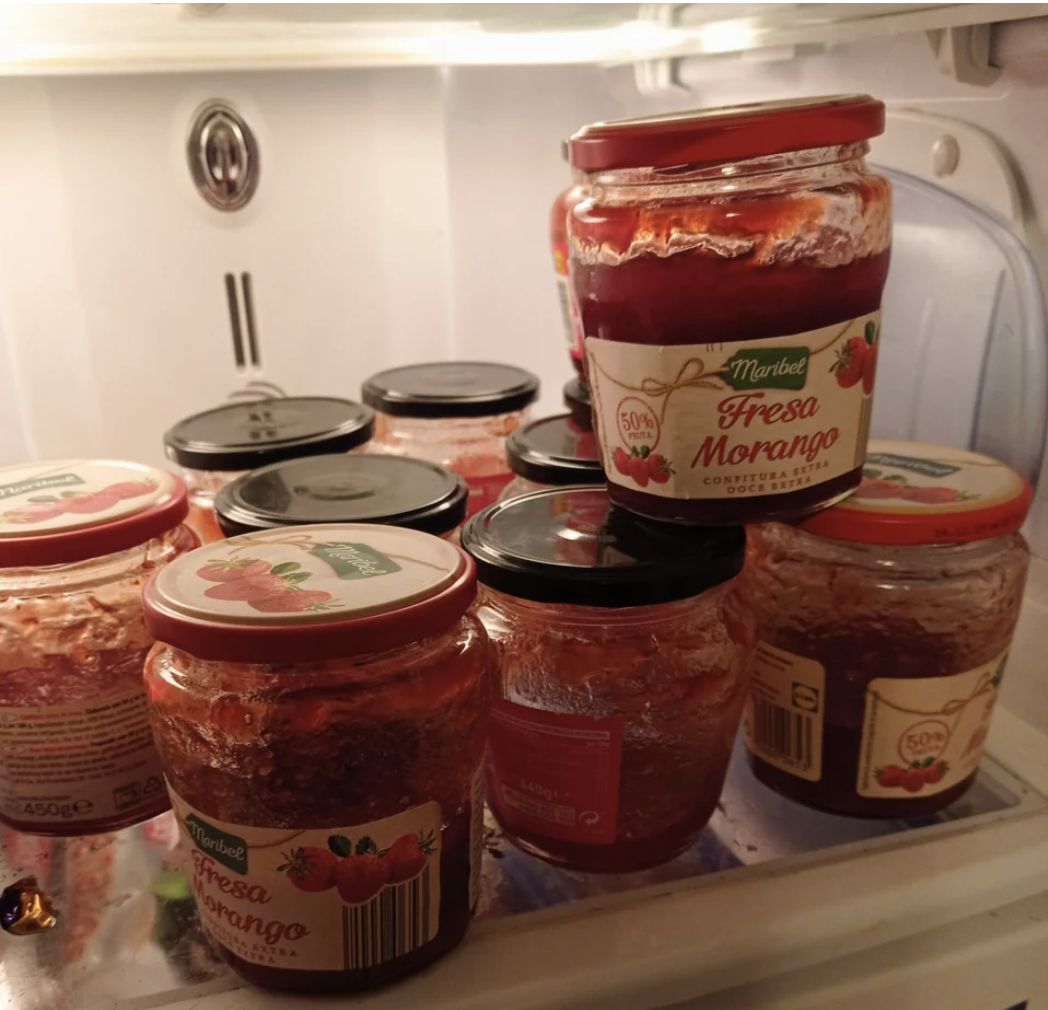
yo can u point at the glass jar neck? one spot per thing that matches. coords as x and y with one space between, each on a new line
815 167
446 430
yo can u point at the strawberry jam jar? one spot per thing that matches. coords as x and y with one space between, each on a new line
217 446
728 268
78 539
319 702
563 205
623 654
354 488
885 623
553 452
455 413
578 399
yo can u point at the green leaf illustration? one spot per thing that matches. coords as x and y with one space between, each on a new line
285 568
366 847
871 332
340 845
42 499
296 577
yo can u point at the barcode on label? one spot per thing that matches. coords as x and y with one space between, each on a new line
395 923
782 733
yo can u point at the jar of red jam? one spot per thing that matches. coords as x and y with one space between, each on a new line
623 654
355 488
455 413
553 452
558 231
728 268
217 446
319 703
579 401
78 539
885 624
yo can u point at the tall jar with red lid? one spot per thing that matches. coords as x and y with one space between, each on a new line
563 205
728 268
78 539
318 700
455 413
217 446
623 655
885 623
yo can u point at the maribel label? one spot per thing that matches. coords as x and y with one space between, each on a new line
920 737
553 775
87 761
335 899
757 417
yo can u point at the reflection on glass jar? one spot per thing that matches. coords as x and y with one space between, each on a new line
553 452
885 623
319 706
623 657
78 540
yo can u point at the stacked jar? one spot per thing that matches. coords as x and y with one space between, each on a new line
553 452
217 446
457 414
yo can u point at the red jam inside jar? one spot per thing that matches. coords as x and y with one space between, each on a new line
885 624
78 540
564 204
217 446
728 267
623 654
319 705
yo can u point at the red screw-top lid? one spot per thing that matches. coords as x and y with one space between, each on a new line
913 494
730 133
309 593
63 511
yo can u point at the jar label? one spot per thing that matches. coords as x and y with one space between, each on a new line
568 309
727 420
485 491
923 736
784 713
90 760
323 899
555 775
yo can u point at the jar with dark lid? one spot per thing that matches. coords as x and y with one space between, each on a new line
454 413
318 698
885 622
728 268
579 400
78 539
623 654
354 488
218 445
552 452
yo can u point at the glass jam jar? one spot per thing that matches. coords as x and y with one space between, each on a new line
558 232
455 413
553 452
623 654
355 488
217 446
78 539
579 401
884 625
319 702
728 267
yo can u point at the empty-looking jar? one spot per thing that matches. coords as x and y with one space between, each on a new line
728 268
78 539
884 626
553 452
319 705
355 488
217 446
455 413
579 400
623 655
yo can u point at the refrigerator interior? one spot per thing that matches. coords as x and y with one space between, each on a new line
401 214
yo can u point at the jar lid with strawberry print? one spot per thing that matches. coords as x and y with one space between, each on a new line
309 593
572 545
68 510
913 494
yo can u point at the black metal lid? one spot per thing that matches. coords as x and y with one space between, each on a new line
579 400
391 490
554 450
451 389
242 436
572 546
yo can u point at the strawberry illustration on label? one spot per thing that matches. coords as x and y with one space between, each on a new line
268 589
848 367
236 568
407 856
310 868
41 508
871 335
642 465
362 872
